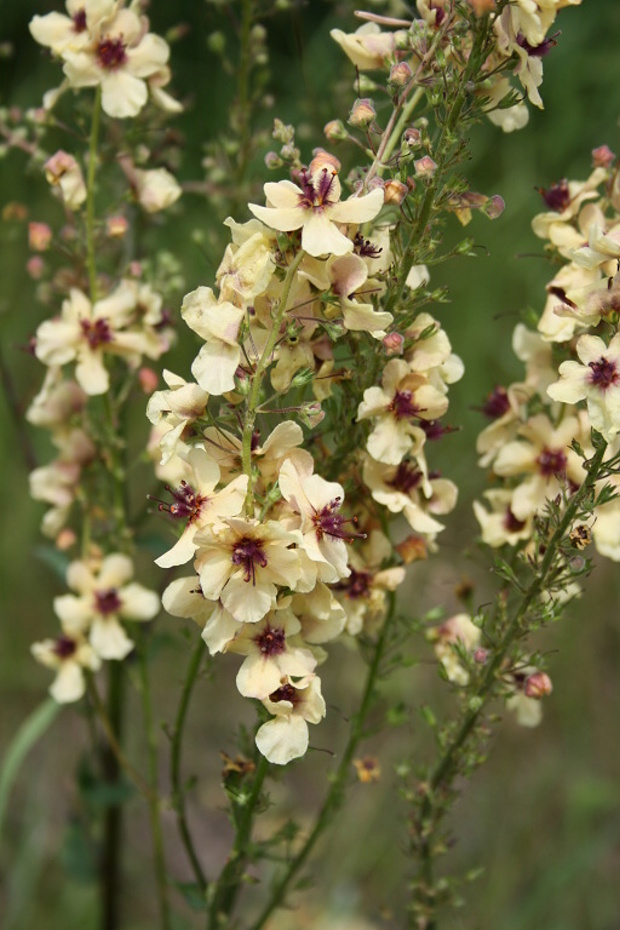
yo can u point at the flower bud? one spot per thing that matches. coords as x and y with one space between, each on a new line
393 344
481 656
148 379
323 159
412 549
538 685
362 113
116 226
494 207
395 192
335 131
425 167
400 74
273 161
39 236
65 176
311 414
35 267
413 137
602 157
156 189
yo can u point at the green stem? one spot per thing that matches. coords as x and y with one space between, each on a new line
111 858
335 796
159 860
447 766
230 881
90 196
178 792
257 380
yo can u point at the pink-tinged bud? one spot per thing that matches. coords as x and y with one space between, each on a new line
335 131
363 113
65 176
135 269
400 74
39 236
148 379
311 414
481 656
602 157
494 207
538 685
116 227
413 138
395 192
323 159
412 549
393 344
273 161
35 267
65 539
425 167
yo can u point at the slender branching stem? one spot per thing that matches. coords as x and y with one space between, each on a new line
335 795
159 860
178 790
90 196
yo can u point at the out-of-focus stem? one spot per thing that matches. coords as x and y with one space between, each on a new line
90 197
111 859
335 795
178 792
159 860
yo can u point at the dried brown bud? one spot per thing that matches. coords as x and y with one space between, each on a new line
412 549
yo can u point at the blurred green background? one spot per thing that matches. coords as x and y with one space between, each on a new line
543 816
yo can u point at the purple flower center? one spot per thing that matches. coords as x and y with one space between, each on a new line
286 693
402 405
356 585
496 404
107 602
604 373
552 463
511 523
96 332
79 21
538 51
557 197
328 522
187 503
249 552
316 189
272 641
365 247
111 53
406 478
64 647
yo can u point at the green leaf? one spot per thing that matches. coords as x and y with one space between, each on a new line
30 732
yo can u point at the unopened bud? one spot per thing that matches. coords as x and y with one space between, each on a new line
400 74
481 656
216 43
302 377
116 227
135 269
412 549
494 207
39 236
311 414
323 159
35 267
413 138
538 685
65 539
602 157
148 380
362 113
335 131
273 160
425 167
395 192
393 344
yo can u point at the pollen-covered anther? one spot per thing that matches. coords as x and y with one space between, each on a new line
96 332
107 602
272 641
249 553
111 53
552 462
186 505
604 373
